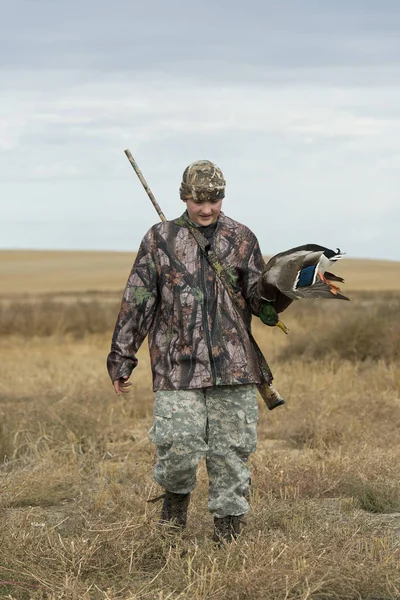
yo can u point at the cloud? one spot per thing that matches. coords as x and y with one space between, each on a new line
114 108
179 38
15 113
299 104
55 171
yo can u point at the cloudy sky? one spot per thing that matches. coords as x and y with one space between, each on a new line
298 101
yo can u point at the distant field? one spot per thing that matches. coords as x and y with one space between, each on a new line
41 271
46 271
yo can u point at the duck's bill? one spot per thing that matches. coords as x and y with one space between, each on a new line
282 326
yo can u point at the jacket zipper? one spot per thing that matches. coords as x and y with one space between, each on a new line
205 320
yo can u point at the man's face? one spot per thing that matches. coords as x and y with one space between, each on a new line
205 212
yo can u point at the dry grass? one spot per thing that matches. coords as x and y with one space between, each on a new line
77 465
368 329
75 317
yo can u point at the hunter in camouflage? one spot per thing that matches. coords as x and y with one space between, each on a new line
203 358
174 297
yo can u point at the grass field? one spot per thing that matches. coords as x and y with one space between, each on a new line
76 463
25 271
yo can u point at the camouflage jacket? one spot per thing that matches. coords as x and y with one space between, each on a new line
174 296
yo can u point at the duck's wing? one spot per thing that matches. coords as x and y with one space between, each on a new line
320 289
287 269
304 250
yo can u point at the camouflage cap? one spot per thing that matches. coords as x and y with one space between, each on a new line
202 180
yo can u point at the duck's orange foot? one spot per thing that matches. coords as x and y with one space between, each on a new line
333 288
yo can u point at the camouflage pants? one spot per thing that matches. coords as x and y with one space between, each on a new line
219 423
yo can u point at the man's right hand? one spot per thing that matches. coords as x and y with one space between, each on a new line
121 385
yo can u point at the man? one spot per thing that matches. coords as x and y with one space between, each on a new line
193 288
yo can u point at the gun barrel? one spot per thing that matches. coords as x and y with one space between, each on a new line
145 185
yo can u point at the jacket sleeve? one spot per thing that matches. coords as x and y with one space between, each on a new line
136 314
254 287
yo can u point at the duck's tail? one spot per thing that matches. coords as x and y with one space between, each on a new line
332 277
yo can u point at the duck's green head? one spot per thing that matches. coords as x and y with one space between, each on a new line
269 316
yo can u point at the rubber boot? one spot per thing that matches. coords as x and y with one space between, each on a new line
174 509
227 528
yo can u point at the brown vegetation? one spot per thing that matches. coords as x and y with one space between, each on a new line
368 329
76 317
76 464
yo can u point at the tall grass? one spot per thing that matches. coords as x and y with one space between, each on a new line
367 328
46 317
363 331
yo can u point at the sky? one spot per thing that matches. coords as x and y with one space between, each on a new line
298 102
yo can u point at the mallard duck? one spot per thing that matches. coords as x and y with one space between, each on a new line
301 272
270 317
